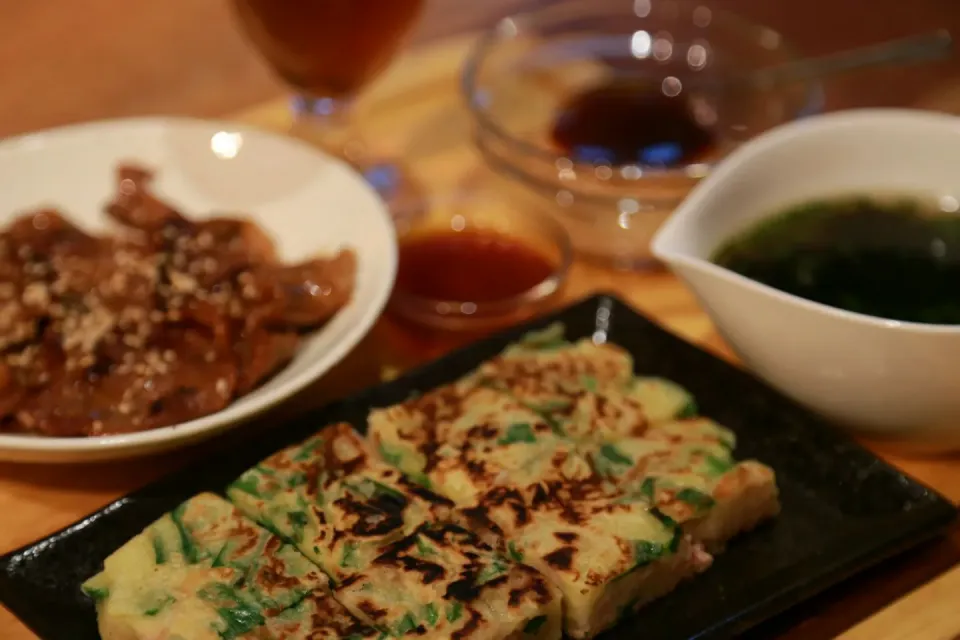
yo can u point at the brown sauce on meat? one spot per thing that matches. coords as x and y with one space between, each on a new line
166 322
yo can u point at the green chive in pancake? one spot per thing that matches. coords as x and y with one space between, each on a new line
461 440
201 569
444 582
334 501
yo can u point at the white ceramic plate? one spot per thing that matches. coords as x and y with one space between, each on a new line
310 203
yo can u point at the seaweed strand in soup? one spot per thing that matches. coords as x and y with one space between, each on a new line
890 258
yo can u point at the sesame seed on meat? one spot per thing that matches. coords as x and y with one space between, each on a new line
139 330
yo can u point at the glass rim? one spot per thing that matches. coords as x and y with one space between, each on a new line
470 73
506 167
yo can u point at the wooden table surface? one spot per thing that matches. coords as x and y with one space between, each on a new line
63 61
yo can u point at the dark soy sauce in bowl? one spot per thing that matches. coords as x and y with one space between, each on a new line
623 123
891 258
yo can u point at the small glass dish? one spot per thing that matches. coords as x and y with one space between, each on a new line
524 73
538 234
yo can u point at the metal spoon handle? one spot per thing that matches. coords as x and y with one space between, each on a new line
919 48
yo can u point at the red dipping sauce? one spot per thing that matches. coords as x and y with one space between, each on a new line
454 287
474 265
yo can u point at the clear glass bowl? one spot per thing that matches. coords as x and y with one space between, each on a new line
524 72
473 210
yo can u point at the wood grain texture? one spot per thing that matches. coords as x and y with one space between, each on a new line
184 56
65 61
930 613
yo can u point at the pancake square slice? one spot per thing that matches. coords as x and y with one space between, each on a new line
463 440
606 553
543 369
686 469
443 582
583 388
334 501
202 570
588 411
317 617
591 413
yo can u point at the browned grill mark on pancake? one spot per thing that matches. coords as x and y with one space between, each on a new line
443 404
449 533
534 585
550 495
350 580
273 574
376 516
330 615
246 536
371 610
469 627
424 494
401 555
465 589
501 496
331 460
561 558
312 480
476 469
482 432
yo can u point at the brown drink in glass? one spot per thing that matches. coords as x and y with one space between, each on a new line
327 50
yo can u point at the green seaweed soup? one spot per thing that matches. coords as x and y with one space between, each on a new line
890 258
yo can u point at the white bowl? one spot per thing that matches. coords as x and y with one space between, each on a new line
867 372
310 203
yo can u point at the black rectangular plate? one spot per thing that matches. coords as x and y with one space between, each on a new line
843 508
